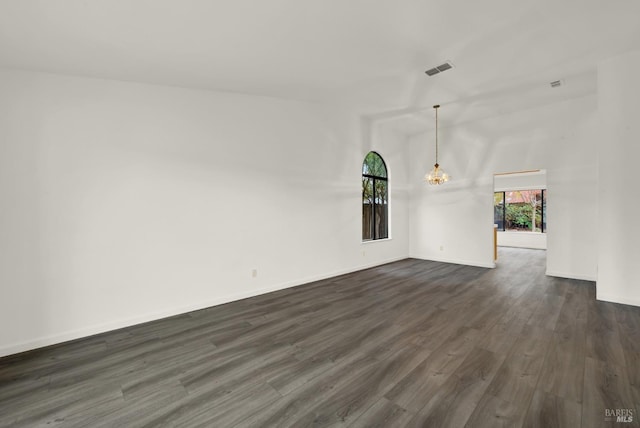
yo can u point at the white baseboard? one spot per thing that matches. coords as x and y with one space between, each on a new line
54 339
616 299
570 275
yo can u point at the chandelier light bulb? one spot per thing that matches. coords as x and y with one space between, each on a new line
437 176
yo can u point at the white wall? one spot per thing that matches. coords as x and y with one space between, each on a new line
619 229
535 240
459 215
125 202
520 181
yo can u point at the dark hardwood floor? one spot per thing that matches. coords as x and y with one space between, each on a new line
413 343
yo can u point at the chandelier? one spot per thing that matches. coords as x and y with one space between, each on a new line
437 175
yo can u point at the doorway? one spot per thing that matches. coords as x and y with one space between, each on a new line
520 211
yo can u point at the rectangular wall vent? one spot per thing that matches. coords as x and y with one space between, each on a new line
439 69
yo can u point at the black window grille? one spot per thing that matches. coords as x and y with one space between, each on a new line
375 198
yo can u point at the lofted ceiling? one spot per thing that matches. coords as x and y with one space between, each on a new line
363 54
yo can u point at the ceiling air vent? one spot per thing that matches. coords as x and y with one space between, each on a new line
439 69
556 83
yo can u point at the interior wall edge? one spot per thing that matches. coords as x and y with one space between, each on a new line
571 275
454 261
616 299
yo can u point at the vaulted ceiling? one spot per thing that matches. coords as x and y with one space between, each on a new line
364 54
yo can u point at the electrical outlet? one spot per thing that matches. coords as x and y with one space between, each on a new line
254 273
441 248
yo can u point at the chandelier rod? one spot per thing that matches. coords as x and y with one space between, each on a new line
436 107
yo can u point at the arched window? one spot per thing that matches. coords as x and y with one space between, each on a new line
375 198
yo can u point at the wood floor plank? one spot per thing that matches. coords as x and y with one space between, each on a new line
135 409
383 414
229 410
55 406
518 376
244 368
288 410
563 370
550 411
299 373
351 399
492 412
422 383
547 311
503 333
458 397
605 388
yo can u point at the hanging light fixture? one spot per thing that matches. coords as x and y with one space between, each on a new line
437 175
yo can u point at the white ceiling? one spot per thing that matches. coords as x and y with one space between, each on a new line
366 54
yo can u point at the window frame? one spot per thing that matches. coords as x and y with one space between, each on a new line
543 223
375 178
